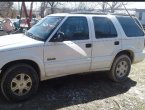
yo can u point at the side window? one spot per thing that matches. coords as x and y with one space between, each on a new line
129 26
138 22
104 28
74 28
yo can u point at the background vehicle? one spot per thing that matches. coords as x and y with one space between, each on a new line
7 25
34 21
19 25
65 44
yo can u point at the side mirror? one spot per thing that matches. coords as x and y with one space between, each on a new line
59 37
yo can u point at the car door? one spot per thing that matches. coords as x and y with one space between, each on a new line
106 42
73 54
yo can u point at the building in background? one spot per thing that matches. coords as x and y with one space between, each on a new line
140 14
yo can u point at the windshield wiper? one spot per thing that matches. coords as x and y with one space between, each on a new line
33 36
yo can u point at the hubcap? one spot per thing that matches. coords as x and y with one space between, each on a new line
121 69
21 84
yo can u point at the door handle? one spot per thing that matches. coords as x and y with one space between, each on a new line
88 45
116 43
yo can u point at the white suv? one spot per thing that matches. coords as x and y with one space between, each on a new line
64 44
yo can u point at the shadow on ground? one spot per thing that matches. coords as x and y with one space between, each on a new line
71 90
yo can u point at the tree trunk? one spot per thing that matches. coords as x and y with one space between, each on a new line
52 10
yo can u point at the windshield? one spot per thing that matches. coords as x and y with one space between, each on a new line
43 29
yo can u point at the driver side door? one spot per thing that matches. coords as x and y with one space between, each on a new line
73 54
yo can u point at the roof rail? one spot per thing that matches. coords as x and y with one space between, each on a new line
120 14
99 13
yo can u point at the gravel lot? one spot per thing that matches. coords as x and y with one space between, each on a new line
93 91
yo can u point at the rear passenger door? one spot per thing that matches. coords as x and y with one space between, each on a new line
106 42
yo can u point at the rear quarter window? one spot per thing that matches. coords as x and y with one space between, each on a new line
129 26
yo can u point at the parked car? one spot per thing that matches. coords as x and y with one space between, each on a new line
33 21
7 25
65 44
22 25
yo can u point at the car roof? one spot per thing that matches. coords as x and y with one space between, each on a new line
74 14
88 14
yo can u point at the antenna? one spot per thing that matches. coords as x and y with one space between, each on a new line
133 18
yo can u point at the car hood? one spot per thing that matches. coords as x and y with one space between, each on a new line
17 40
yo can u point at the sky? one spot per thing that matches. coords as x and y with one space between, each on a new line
137 5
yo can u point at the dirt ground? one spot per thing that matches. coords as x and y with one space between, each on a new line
92 91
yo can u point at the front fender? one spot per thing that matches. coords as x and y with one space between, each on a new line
22 56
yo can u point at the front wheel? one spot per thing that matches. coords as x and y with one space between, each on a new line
19 82
120 68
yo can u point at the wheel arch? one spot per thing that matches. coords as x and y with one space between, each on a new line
25 61
129 53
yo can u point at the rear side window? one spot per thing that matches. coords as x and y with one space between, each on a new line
129 26
104 28
138 22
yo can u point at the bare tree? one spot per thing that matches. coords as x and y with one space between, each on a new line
42 8
111 6
52 6
13 13
5 5
5 8
103 6
84 6
115 5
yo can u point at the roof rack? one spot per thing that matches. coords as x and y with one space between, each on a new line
99 13
120 14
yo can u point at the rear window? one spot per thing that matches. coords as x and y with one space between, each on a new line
129 26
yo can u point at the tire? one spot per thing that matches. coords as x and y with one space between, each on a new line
19 82
120 68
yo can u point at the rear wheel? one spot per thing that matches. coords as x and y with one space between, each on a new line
19 82
120 68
